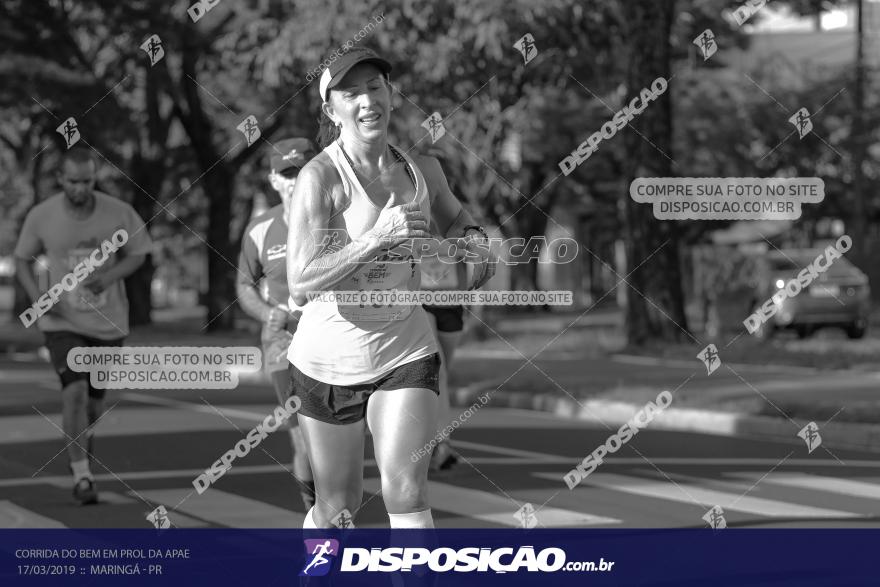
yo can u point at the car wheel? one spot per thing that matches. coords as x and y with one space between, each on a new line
857 329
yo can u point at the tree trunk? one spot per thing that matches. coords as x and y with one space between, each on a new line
221 256
858 138
147 173
655 308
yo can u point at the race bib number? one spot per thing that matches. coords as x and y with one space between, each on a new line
366 311
382 277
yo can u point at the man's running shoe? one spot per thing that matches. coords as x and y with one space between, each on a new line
84 492
443 457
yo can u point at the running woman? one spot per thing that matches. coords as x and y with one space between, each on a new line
354 364
447 323
262 289
68 228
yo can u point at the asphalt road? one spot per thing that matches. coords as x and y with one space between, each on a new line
152 444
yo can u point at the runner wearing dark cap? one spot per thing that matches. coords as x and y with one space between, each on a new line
262 288
352 363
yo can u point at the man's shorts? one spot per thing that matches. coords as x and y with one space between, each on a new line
60 343
449 318
337 404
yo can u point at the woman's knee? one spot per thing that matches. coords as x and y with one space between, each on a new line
405 493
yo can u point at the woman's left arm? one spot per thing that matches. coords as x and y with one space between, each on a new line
456 223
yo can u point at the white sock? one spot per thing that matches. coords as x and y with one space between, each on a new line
309 521
420 519
81 469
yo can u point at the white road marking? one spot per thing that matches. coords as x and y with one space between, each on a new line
496 509
817 483
702 497
15 516
227 509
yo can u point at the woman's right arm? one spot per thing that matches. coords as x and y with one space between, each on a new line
310 266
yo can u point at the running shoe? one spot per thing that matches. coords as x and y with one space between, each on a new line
443 457
84 492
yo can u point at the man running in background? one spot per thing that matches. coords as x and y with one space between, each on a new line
73 229
447 323
262 289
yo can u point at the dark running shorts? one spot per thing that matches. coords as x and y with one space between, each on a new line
61 342
281 383
449 318
337 404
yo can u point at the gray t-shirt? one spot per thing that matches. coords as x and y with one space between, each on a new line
66 241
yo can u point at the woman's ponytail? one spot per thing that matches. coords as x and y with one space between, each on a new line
327 131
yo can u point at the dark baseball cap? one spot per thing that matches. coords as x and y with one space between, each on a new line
291 153
338 68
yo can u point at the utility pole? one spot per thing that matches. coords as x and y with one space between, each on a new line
857 136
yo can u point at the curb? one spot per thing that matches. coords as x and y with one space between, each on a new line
732 424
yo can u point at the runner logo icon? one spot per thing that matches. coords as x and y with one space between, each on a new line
320 554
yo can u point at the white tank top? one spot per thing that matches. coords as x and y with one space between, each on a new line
349 344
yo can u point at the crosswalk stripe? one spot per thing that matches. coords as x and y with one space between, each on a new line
818 483
15 516
114 498
503 450
702 497
110 497
227 509
481 505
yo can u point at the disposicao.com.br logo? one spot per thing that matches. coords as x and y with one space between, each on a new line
321 553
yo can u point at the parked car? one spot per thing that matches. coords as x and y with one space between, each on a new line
839 297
